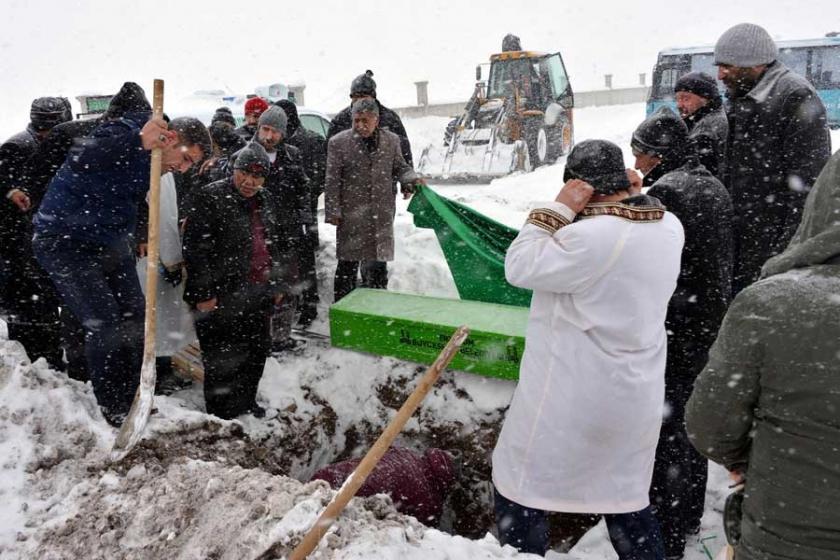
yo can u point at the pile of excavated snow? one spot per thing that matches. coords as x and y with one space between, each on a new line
195 488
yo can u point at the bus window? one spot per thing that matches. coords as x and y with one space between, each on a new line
795 59
825 67
704 62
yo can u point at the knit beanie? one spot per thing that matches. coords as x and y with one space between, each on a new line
274 117
599 163
223 115
745 45
660 134
363 85
46 112
698 83
131 98
255 106
253 159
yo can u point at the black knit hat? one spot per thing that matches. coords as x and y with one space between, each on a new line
698 83
131 98
223 115
363 85
660 134
599 163
253 160
46 112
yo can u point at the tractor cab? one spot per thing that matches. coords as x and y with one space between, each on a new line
517 120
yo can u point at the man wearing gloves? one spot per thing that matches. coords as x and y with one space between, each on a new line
581 432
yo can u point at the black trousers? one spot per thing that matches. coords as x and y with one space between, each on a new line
32 305
374 275
235 342
678 488
309 248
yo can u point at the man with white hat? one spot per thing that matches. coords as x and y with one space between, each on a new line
778 143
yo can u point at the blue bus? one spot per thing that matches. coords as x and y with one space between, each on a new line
818 60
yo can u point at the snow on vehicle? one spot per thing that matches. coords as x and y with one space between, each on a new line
518 120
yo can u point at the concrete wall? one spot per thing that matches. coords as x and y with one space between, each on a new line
596 98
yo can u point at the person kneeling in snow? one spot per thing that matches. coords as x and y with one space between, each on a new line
234 275
581 432
417 484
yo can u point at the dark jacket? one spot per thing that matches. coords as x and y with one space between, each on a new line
51 154
313 152
768 399
704 286
246 131
95 195
388 120
417 484
15 153
709 130
217 246
778 143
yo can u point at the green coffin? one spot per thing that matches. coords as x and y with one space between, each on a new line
416 328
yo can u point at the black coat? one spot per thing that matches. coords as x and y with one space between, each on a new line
15 154
778 144
703 291
246 131
313 152
217 247
709 130
388 120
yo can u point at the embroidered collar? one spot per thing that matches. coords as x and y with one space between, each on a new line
639 208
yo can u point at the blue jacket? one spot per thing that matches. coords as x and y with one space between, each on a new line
95 195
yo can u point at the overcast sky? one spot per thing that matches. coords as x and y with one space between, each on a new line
76 46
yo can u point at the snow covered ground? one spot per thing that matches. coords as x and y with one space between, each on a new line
198 487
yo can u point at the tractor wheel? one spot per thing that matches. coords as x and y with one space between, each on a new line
537 138
560 140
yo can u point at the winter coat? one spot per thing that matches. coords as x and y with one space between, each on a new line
51 154
388 120
15 154
95 195
709 131
313 152
704 287
769 397
217 246
778 143
582 428
246 131
359 192
417 484
175 328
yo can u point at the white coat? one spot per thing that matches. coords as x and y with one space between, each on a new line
582 428
175 328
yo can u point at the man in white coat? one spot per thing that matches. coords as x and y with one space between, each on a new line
581 432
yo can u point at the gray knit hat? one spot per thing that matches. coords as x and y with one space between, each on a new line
275 117
745 45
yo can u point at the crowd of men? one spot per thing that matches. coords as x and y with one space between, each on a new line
636 366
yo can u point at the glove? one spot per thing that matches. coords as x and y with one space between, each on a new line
172 276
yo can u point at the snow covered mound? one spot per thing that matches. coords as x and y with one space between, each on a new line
195 488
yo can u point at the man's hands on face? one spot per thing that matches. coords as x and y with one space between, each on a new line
21 200
575 194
